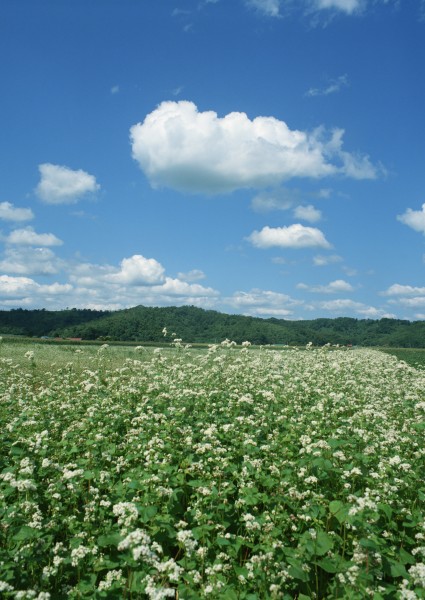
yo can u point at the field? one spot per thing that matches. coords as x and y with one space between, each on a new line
413 356
231 472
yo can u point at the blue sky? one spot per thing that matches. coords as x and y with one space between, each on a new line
261 157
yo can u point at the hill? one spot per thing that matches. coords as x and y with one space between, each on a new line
145 324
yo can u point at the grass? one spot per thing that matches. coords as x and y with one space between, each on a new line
228 473
412 356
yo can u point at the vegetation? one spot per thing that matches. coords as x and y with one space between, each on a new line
414 357
224 473
144 324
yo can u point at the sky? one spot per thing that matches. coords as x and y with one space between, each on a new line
258 157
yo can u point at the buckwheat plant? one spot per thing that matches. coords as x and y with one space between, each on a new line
234 473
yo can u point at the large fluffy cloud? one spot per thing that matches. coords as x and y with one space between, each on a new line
414 219
138 270
9 212
180 147
138 280
294 236
62 185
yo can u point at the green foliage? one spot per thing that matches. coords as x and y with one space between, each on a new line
144 324
223 473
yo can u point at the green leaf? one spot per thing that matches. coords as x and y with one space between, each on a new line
398 570
221 541
338 510
111 539
329 565
26 533
406 558
147 512
387 510
323 543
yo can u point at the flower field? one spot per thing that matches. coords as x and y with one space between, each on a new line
231 473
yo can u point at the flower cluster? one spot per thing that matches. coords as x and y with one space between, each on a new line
220 473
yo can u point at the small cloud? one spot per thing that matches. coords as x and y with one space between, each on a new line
307 213
339 285
416 301
178 90
269 8
404 290
349 7
178 12
279 260
263 303
9 212
414 219
345 306
28 237
334 86
115 89
194 275
294 236
62 185
322 261
280 199
324 193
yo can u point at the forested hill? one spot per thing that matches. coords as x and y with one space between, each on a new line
145 324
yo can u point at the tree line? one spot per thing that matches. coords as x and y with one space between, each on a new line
192 324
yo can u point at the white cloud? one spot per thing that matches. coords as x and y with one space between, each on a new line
175 287
22 287
347 6
28 237
294 236
62 185
269 8
138 270
346 305
30 261
321 260
334 86
414 219
339 285
404 290
179 147
138 280
307 213
115 89
409 302
194 275
9 212
263 303
281 199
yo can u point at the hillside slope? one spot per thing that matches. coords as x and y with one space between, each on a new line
192 324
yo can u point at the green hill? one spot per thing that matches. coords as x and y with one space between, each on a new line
145 324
